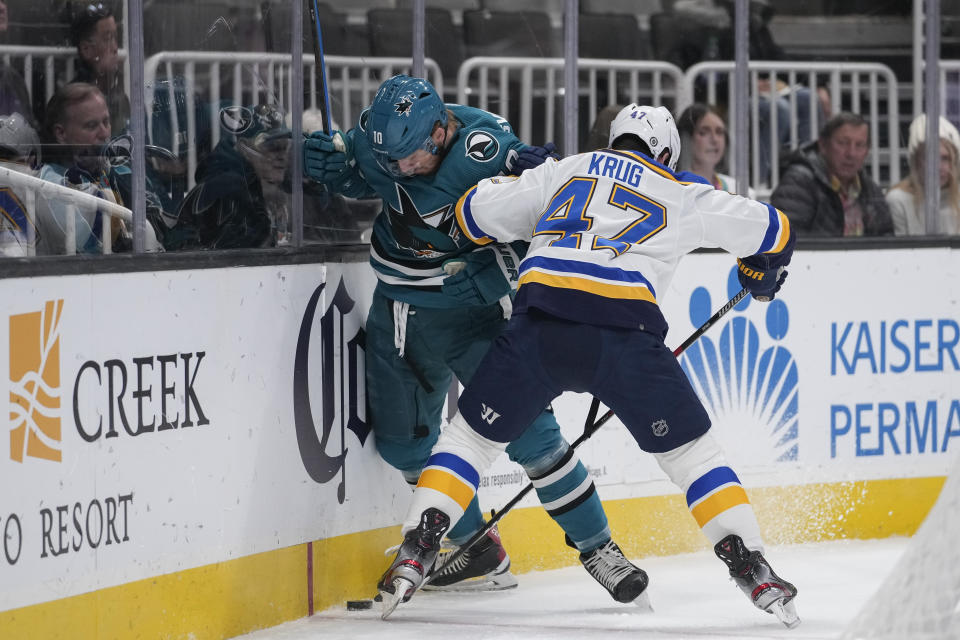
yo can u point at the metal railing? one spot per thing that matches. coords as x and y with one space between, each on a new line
865 88
55 62
74 200
498 84
212 78
950 89
527 91
58 65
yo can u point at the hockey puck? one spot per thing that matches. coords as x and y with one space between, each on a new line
359 605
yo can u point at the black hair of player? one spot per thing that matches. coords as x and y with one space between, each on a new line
631 142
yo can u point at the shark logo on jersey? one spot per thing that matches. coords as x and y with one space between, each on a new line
119 151
236 120
427 234
403 107
481 146
747 385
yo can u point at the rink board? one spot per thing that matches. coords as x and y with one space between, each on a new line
187 451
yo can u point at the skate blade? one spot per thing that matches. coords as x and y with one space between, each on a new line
497 582
786 612
401 586
643 603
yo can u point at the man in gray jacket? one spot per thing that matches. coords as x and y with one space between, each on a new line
826 191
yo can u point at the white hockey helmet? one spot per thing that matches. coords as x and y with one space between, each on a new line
655 126
18 140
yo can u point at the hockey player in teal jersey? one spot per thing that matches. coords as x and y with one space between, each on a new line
607 230
440 300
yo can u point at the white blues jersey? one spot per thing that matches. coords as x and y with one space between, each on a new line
607 230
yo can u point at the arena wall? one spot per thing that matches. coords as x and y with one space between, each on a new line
187 455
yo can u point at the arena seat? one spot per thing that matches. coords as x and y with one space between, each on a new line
553 8
207 26
391 34
509 33
455 7
339 38
611 35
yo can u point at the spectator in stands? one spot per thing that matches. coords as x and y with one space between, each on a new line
826 191
77 128
764 47
238 201
13 91
703 144
93 30
19 151
906 198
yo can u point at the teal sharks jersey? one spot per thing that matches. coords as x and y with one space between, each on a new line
416 231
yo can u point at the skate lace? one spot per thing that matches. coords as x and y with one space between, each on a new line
608 566
457 565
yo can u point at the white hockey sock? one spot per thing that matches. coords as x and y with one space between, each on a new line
450 478
713 491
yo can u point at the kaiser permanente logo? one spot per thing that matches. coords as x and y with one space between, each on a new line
746 380
35 383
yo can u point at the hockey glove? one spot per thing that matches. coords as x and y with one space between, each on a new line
483 276
530 157
759 278
326 156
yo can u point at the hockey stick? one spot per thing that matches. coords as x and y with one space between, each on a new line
319 69
590 428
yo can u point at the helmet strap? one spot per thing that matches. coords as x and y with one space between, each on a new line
432 147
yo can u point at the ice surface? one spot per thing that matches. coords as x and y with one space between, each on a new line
691 595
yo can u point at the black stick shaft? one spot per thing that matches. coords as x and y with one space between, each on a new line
320 70
722 311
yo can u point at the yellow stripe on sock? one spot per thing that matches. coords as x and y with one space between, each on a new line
719 502
448 484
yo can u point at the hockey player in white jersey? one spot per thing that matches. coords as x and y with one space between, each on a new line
607 230
19 152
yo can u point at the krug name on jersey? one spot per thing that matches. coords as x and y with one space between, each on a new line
616 168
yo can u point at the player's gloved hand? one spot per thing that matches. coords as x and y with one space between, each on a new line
531 156
757 276
483 276
325 156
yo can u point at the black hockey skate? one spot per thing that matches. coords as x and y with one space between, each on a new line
483 567
766 590
413 561
625 581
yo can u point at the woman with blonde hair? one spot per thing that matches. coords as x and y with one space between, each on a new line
907 197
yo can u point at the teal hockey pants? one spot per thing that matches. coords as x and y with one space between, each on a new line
405 398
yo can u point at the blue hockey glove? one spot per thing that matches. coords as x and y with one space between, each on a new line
757 276
483 276
530 157
326 156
